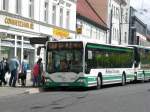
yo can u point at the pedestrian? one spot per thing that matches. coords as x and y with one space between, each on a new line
40 76
13 66
23 74
3 70
35 74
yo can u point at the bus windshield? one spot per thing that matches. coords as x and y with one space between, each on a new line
67 58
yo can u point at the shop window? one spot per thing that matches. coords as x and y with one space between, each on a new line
18 37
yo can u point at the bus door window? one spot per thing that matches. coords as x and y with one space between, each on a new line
63 65
49 63
76 62
57 62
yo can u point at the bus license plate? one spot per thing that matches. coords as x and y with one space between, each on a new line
64 84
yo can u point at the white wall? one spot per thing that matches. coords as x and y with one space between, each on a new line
40 26
39 11
90 31
116 20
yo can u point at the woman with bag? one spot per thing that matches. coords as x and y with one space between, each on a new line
23 74
35 73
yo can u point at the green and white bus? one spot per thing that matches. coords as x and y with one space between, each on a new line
75 63
142 62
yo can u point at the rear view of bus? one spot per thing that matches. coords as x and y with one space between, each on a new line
64 64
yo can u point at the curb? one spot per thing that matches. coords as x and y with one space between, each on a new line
32 91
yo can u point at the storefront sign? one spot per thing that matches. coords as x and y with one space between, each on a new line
79 28
17 22
60 33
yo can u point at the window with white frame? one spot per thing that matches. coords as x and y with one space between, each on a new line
54 15
84 25
31 8
46 6
68 19
93 33
117 13
112 7
117 34
102 34
88 30
5 5
125 37
61 17
18 6
114 11
97 33
114 33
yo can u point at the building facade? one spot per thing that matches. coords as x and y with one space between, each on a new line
22 19
139 34
90 23
118 21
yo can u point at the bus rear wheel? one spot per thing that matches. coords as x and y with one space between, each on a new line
99 83
143 77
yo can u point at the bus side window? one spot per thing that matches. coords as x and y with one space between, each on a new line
90 55
87 62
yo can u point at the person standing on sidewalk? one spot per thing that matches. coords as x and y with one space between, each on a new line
3 69
35 74
40 77
13 66
24 67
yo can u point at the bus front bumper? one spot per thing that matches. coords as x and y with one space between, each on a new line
81 82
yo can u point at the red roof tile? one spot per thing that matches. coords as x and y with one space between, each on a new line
86 9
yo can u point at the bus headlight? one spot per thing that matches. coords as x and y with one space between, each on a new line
81 80
47 80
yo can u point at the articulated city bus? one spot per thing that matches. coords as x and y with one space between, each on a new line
87 64
142 62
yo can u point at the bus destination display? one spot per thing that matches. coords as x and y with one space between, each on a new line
64 45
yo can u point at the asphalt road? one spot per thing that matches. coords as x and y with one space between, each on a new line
129 98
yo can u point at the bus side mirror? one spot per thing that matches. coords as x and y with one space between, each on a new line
38 51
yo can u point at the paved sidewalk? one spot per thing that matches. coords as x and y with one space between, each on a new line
13 91
10 91
6 91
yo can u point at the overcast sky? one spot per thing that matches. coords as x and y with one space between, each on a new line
142 5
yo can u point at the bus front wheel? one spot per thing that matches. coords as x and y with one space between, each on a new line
99 82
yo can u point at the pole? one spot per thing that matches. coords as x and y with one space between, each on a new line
110 32
0 47
120 23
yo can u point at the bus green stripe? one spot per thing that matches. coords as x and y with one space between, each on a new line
109 48
112 77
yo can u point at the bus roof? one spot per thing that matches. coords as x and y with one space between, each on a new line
140 46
